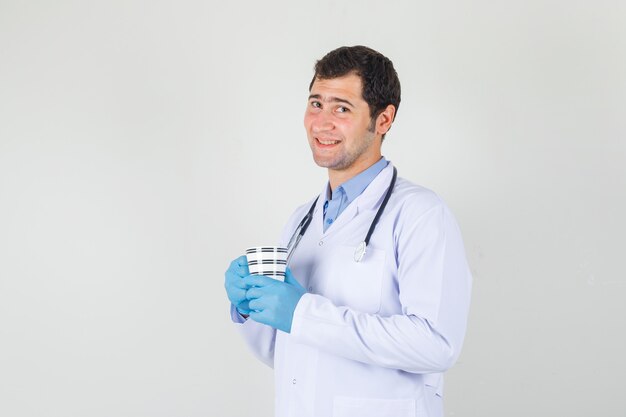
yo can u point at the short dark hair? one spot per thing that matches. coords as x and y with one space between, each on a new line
381 85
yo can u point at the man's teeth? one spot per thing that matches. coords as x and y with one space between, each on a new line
328 142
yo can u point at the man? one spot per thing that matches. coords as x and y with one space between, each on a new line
354 332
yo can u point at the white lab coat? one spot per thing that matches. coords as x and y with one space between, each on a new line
371 338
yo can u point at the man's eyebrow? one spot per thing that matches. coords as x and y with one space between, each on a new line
331 99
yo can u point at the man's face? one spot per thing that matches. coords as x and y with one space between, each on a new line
337 122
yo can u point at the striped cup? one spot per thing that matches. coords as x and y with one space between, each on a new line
270 261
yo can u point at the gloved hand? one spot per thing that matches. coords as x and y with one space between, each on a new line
273 302
235 285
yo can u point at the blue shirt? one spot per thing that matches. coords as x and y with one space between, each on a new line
348 191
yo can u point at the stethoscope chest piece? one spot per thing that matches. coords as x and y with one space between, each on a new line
359 252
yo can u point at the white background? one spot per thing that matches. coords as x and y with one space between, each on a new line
144 144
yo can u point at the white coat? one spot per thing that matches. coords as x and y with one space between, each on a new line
371 338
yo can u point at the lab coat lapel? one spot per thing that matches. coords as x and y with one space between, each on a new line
366 201
372 196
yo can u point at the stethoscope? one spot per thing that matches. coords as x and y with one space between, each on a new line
360 250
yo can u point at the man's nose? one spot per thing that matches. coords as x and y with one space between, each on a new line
322 122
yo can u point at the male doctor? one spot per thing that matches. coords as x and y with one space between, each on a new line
357 331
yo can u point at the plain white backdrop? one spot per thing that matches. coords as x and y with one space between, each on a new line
145 144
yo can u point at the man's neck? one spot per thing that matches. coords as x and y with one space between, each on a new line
338 177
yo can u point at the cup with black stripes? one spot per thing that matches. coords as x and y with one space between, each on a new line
270 261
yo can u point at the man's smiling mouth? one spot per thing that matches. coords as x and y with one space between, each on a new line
327 141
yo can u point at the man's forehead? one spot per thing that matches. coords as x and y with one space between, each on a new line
339 87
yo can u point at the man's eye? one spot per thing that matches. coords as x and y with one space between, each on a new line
316 104
342 110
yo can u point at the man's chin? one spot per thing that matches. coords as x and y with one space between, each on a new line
329 164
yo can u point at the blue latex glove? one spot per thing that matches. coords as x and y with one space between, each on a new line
235 285
273 302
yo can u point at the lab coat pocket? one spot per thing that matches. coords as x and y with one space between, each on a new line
357 285
369 407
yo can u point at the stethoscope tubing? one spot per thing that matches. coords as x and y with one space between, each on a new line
300 230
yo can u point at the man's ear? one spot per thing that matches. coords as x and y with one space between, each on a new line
385 119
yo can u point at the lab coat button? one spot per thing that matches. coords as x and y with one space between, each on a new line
294 381
321 242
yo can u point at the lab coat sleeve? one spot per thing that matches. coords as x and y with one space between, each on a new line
259 337
434 287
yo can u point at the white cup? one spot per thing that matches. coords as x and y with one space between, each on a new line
270 261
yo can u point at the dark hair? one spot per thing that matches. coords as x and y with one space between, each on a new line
381 85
